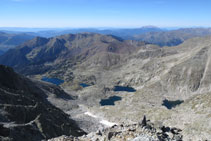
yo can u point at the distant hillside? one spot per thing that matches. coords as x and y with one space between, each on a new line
70 49
10 40
174 37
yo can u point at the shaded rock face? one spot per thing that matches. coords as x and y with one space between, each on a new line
25 114
146 131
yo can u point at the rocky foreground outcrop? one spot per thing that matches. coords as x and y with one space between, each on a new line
25 112
144 131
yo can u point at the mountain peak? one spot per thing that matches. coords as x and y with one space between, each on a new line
37 41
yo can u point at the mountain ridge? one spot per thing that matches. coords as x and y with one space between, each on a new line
66 47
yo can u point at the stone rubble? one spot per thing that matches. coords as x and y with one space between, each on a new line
144 131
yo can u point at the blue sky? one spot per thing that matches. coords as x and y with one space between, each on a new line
104 13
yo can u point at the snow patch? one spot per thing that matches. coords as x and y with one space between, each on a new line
107 123
90 114
102 121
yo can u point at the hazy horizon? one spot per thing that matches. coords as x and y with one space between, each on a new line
38 29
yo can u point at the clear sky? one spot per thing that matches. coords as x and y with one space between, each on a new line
104 13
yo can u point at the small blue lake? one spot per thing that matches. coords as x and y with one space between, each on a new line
171 104
55 81
84 85
122 88
110 100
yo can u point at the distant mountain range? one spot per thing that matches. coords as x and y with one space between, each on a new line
173 37
12 37
150 34
34 55
123 33
10 40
